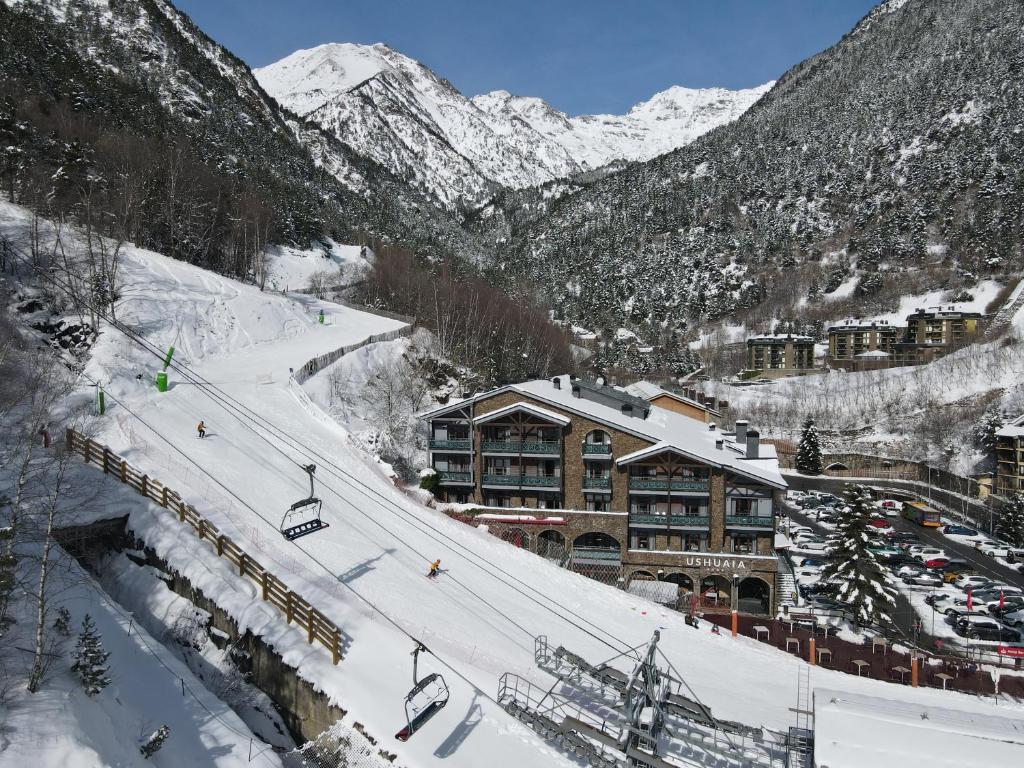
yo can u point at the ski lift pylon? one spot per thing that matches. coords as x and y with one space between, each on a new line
427 697
303 517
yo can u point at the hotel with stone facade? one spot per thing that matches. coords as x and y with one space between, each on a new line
622 486
1010 458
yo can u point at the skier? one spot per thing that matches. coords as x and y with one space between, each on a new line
715 629
435 568
201 428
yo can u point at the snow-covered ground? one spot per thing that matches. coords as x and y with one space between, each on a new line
477 621
291 268
150 687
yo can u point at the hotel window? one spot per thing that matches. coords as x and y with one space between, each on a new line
597 503
642 540
497 500
742 507
643 506
499 466
744 543
548 502
693 542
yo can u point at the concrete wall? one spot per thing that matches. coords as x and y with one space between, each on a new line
305 711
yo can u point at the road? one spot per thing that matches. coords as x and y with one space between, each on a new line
958 506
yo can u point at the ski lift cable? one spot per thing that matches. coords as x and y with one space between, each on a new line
229 404
362 598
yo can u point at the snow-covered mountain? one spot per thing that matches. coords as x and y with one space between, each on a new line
398 112
668 120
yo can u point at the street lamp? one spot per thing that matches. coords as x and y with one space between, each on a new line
734 600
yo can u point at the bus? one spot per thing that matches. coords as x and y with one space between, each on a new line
920 513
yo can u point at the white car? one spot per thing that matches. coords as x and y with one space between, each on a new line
995 550
1015 619
929 553
814 546
923 579
982 543
971 580
890 507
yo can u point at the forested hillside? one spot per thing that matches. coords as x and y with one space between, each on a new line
893 160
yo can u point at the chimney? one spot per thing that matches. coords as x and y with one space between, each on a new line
719 443
557 382
711 427
741 430
753 443
576 390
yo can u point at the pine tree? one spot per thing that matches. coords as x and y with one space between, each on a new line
91 659
985 431
862 583
1010 527
808 455
155 741
62 624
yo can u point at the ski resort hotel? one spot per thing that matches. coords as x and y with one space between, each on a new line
618 487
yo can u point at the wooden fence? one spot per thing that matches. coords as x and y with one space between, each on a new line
310 367
273 590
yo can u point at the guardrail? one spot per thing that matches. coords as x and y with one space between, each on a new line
517 480
696 521
457 444
751 522
515 446
272 589
604 483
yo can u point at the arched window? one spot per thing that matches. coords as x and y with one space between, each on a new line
517 537
596 540
551 544
754 595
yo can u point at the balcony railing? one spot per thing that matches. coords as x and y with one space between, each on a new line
600 483
599 449
659 484
694 521
599 555
547 447
517 480
456 477
750 522
457 444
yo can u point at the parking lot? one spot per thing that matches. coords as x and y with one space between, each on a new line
984 629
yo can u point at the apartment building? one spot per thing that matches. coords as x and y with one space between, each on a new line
856 345
644 491
690 402
1010 458
776 355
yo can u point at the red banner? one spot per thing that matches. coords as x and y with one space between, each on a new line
1013 651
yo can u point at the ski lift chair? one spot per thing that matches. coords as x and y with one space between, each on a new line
303 517
427 697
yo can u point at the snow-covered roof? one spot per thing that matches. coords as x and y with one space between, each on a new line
873 353
780 337
662 426
855 324
648 391
1014 429
852 730
541 413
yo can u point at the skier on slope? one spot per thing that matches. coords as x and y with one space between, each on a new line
435 568
201 428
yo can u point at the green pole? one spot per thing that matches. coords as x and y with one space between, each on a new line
170 354
101 400
321 317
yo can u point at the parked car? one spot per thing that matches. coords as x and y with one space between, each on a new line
955 613
1011 603
981 543
1014 619
890 507
985 629
923 579
1016 555
896 562
951 529
972 580
936 562
905 537
930 553
995 550
993 591
937 599
905 570
803 562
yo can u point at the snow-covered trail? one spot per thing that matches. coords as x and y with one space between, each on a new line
245 341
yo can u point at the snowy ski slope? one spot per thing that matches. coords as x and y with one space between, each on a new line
244 342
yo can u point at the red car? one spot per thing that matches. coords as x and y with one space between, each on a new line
936 562
878 522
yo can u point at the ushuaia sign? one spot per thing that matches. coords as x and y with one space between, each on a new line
716 563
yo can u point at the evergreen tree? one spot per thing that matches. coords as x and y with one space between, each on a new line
62 624
862 583
155 741
985 431
1010 527
808 455
91 659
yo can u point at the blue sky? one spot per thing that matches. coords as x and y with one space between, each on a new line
582 56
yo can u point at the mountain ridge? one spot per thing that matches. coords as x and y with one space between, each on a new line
397 111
